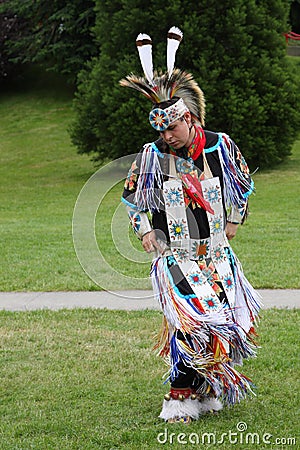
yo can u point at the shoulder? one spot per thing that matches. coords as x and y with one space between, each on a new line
213 140
161 145
151 148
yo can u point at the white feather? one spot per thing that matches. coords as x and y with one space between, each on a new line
176 408
210 404
193 408
145 54
175 36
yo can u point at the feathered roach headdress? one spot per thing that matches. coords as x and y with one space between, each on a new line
162 87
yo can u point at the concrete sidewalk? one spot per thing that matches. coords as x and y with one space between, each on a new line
126 300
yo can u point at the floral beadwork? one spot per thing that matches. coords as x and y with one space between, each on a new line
184 165
243 165
131 179
178 229
135 220
182 254
213 194
217 225
210 302
174 197
228 281
195 279
218 254
199 249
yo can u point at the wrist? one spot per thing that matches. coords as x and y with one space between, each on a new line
145 234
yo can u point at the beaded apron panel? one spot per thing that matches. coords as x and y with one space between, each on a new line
186 250
182 245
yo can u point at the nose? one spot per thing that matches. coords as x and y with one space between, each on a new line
167 134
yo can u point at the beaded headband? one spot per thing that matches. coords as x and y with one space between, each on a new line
161 119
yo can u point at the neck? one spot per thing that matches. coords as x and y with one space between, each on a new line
191 136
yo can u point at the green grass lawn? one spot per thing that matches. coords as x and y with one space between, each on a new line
86 379
268 243
42 176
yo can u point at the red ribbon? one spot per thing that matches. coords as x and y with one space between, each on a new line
193 189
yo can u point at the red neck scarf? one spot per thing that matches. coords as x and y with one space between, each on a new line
197 145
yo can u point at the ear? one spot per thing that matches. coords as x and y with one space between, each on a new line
188 117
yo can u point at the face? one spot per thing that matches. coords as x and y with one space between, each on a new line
179 134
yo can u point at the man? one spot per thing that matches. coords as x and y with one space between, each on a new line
195 183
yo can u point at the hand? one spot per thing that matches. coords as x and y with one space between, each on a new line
231 229
150 243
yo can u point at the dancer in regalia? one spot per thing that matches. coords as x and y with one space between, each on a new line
194 184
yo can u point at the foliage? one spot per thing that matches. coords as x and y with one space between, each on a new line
56 34
10 28
235 50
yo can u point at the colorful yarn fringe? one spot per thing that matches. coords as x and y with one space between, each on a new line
148 193
207 338
237 185
248 301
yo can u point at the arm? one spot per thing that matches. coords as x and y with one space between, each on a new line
231 230
234 219
238 184
139 219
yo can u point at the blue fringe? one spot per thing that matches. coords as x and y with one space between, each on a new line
237 186
150 181
177 356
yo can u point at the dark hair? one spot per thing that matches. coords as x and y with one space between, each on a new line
166 104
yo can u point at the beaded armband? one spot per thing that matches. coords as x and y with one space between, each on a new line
139 221
235 216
